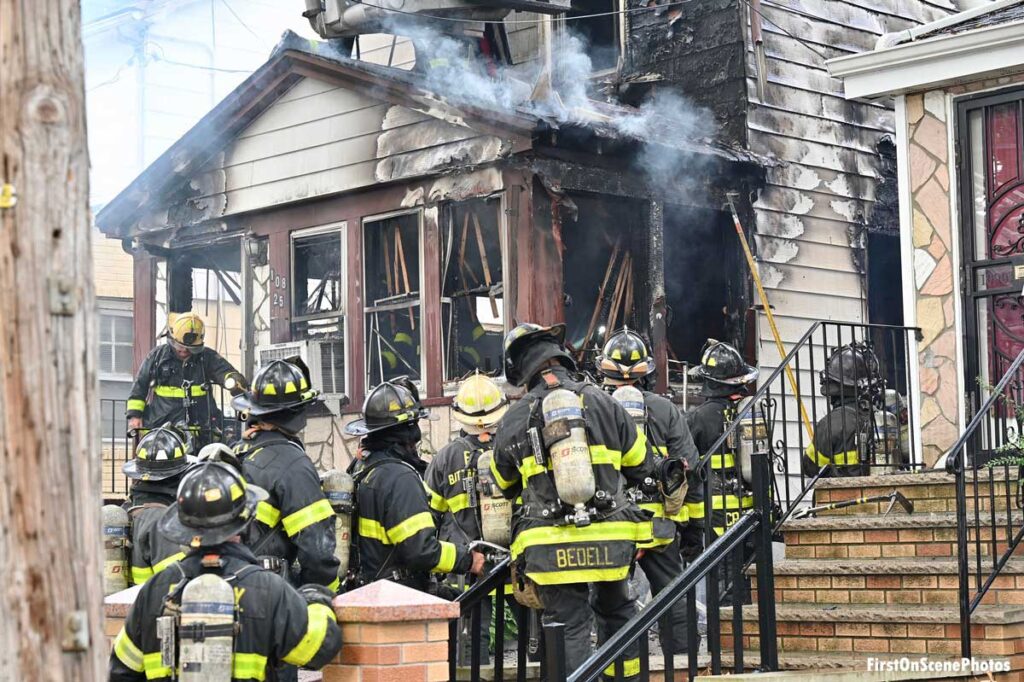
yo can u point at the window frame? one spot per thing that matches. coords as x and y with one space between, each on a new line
561 26
368 308
114 309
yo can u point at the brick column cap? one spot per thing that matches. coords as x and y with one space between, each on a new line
117 605
388 602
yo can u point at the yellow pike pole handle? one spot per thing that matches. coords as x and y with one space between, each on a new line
769 315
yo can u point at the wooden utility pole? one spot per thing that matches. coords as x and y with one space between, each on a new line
50 551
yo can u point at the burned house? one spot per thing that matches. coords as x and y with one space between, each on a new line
379 221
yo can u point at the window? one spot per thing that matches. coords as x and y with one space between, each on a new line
392 281
115 365
472 301
600 30
318 304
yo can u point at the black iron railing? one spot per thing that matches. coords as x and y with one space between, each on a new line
989 456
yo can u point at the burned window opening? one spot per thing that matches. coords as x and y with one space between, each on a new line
602 34
318 305
393 329
703 275
604 261
472 297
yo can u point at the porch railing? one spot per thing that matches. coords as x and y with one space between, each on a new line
989 456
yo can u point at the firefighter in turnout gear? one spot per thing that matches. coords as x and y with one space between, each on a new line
570 451
844 439
296 522
173 383
273 622
396 536
727 379
161 457
453 479
625 361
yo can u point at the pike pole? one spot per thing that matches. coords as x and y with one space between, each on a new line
768 313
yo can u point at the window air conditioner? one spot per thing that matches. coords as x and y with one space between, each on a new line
324 357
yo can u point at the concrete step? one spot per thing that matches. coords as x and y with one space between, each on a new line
931 491
864 630
886 581
897 535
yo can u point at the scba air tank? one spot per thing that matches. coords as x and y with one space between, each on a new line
569 453
632 400
339 489
115 549
206 638
495 510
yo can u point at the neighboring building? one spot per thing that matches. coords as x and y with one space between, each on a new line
346 182
958 85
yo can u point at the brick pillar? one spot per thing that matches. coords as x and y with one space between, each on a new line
391 633
115 610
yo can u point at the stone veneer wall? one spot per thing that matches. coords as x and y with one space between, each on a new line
935 253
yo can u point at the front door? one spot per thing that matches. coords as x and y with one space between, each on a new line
991 139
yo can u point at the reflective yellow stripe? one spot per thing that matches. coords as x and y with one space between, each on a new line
155 669
661 450
600 454
842 459
723 461
136 405
140 574
268 514
635 456
316 630
248 667
458 503
606 531
732 502
695 510
446 564
127 652
298 521
178 391
412 525
592 575
335 585
529 468
658 509
630 668
161 565
498 478
368 528
436 501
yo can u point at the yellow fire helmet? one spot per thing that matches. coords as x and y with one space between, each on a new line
479 404
186 331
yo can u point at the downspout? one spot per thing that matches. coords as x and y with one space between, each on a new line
758 40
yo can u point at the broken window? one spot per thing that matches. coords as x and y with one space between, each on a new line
393 330
318 305
599 25
473 319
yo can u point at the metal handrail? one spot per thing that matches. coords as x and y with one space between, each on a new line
956 462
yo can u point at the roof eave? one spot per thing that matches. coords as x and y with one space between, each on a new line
930 63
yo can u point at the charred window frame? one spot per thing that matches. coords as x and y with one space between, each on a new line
603 34
318 302
393 329
473 246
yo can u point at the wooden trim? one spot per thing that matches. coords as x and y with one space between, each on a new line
430 299
280 256
355 320
143 307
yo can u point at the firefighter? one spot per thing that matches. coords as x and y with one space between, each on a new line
727 380
161 458
274 622
453 482
296 522
844 439
625 361
173 384
576 529
396 536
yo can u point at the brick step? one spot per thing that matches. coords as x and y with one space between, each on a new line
885 581
896 535
866 629
931 491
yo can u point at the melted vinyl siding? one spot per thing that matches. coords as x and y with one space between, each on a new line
320 139
824 189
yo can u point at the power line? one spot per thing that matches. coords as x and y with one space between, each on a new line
200 66
244 25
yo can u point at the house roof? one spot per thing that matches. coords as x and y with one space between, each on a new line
992 14
296 58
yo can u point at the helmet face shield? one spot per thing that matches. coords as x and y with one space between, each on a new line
177 345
